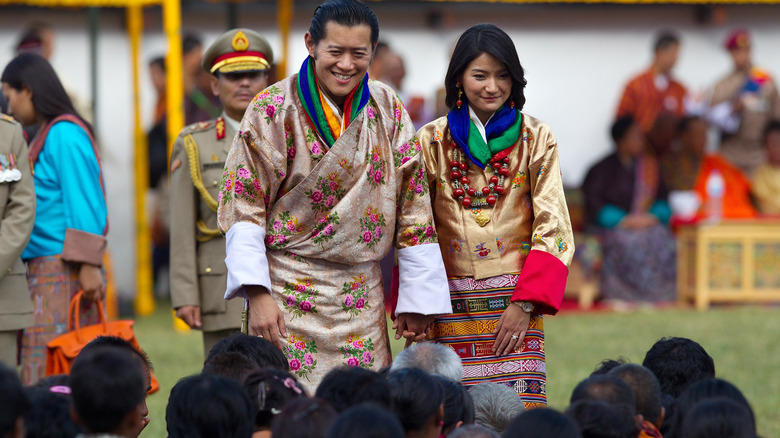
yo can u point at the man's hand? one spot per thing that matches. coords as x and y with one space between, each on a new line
190 315
265 318
91 282
414 327
510 330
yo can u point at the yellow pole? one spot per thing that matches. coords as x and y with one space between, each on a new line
144 299
174 85
284 18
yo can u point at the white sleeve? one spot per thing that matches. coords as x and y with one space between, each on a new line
422 281
722 115
246 262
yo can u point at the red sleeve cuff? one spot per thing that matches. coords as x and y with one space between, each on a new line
542 282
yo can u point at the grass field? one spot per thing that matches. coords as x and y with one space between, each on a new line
742 340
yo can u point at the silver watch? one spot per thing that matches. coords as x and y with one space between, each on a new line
527 306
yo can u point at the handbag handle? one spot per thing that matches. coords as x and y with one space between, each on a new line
75 311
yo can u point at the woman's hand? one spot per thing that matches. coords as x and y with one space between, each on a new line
91 282
265 318
415 327
510 330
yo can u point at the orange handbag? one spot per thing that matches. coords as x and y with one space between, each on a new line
62 350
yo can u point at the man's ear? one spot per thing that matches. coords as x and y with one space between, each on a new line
310 44
214 89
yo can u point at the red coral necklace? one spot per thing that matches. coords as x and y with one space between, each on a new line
468 196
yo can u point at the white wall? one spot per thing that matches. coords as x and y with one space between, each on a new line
577 59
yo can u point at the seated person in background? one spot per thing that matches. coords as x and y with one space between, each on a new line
599 419
49 414
366 421
702 391
230 364
626 200
542 423
418 402
495 405
692 168
346 387
766 179
108 392
208 406
718 417
647 392
259 350
458 405
304 418
13 404
473 431
431 358
270 390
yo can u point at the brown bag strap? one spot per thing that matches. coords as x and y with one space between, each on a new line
75 312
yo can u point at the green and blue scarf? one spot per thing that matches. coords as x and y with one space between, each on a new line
502 132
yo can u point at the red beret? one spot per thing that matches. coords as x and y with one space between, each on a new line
737 39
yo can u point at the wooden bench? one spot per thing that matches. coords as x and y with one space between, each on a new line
732 261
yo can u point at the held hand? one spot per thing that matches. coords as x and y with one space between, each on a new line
91 282
510 330
190 315
414 327
265 318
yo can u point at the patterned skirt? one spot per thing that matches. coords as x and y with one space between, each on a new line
52 285
476 307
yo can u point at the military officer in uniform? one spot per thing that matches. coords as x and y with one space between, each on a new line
17 215
239 61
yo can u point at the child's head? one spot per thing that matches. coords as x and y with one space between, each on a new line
108 391
270 390
349 386
772 142
230 364
259 350
304 418
206 406
677 363
13 404
417 400
49 414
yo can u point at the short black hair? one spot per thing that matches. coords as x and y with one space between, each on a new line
366 420
230 364
49 415
259 350
646 389
269 390
542 423
124 344
607 365
416 397
348 386
620 127
718 417
458 404
190 42
158 61
606 388
479 39
677 363
13 401
106 384
599 419
207 406
664 40
304 418
705 390
349 13
771 126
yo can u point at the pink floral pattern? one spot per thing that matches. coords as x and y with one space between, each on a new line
241 184
406 151
376 167
357 351
268 102
300 354
355 295
300 297
418 184
371 231
324 229
326 193
282 227
421 233
316 147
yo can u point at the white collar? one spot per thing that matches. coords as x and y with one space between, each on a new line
478 123
234 124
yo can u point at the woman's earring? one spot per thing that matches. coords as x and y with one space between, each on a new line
459 102
512 104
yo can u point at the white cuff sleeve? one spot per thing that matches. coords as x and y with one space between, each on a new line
246 262
422 281
722 115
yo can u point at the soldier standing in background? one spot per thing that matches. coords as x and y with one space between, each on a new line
17 214
239 61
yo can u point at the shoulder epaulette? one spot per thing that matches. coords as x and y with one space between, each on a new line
8 118
197 127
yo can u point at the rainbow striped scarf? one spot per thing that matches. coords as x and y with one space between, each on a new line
319 113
